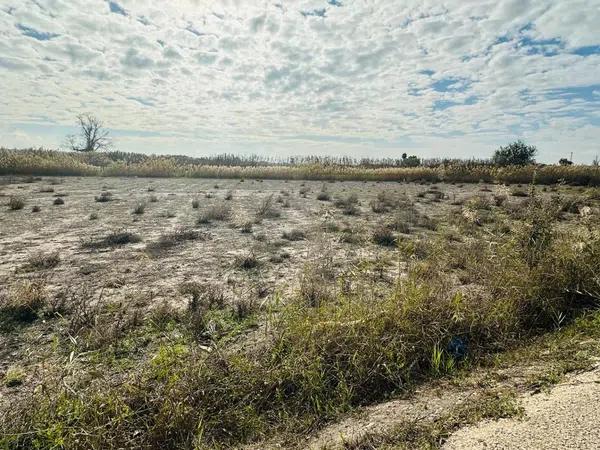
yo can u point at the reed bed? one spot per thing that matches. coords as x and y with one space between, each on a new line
58 163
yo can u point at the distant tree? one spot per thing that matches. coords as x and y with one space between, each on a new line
404 155
92 135
411 161
515 154
565 162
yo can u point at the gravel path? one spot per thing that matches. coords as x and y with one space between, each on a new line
568 417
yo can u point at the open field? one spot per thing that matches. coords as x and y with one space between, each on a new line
194 312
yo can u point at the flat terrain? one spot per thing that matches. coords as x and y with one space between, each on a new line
145 249
131 270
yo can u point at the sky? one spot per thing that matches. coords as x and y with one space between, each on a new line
370 78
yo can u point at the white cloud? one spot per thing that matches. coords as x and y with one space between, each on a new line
369 78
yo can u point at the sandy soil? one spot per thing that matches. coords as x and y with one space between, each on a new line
130 270
565 418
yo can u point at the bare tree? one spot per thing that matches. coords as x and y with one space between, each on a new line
92 135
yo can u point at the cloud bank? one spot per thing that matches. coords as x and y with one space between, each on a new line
360 78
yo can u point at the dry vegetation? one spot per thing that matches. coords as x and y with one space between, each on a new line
269 308
57 163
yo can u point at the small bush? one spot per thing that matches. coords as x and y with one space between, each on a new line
175 238
382 235
24 301
42 261
294 235
203 296
218 212
35 209
114 239
104 197
246 227
229 195
195 203
15 203
93 216
266 209
153 199
323 196
58 201
14 377
247 261
139 209
348 204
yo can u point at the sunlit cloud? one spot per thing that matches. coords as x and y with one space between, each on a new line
360 78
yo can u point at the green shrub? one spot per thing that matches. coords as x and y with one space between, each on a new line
515 154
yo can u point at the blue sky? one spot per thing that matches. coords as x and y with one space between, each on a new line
334 77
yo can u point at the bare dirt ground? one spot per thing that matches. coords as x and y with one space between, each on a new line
557 398
564 418
131 272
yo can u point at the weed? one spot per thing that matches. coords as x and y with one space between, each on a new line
294 235
113 239
14 376
247 261
383 236
15 203
217 212
23 301
169 240
266 209
139 209
42 261
104 197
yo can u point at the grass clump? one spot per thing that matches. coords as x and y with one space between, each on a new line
104 197
323 195
42 261
23 302
247 261
384 203
113 239
218 212
14 376
58 201
294 235
383 236
266 209
139 209
15 203
348 204
169 240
